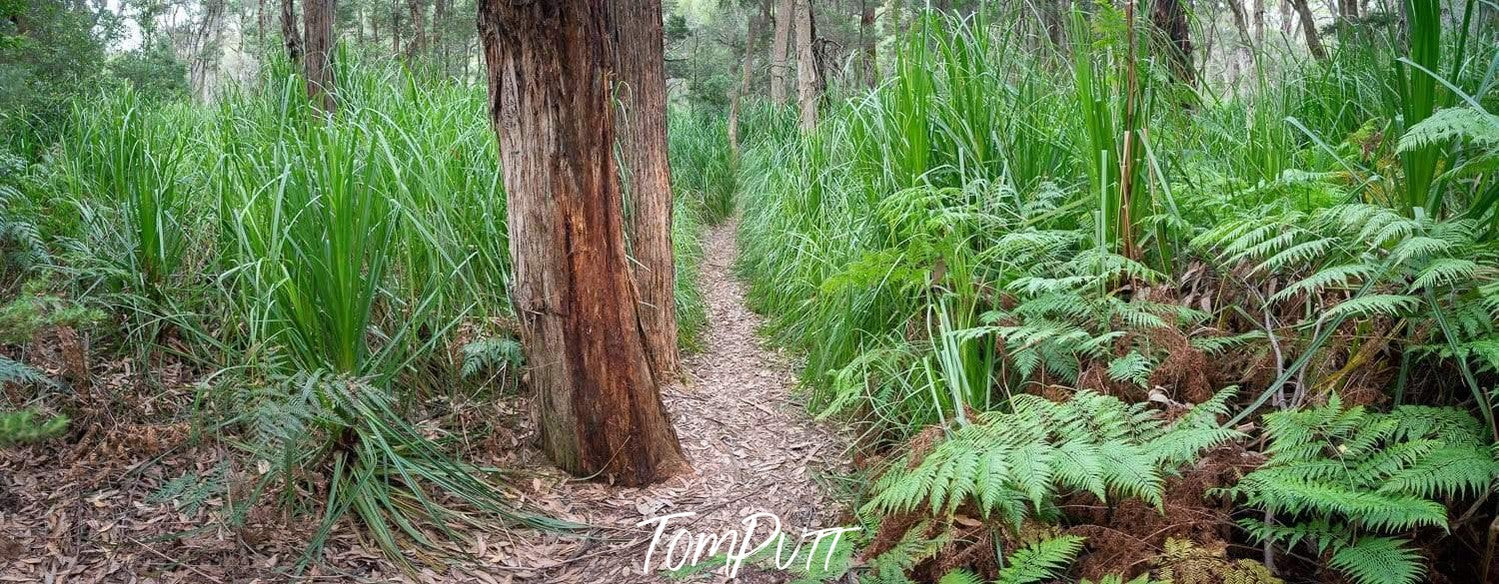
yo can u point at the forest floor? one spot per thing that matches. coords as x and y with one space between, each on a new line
138 499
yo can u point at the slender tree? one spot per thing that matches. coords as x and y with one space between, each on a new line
751 35
1174 37
808 75
317 20
1309 28
439 21
641 128
418 33
1243 57
868 39
598 406
780 47
291 35
206 48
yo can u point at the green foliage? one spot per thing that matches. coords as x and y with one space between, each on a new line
35 308
1348 482
12 371
57 56
492 354
23 427
1005 461
1436 276
1037 562
154 71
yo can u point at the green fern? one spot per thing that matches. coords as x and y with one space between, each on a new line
1007 463
23 427
1040 560
1464 123
16 372
489 355
1341 479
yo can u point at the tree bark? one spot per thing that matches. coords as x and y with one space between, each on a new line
1174 36
550 73
317 20
395 28
1257 30
807 74
641 128
869 40
1243 56
439 20
1348 9
206 48
751 33
291 35
779 48
418 35
1309 28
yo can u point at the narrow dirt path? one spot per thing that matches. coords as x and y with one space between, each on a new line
752 450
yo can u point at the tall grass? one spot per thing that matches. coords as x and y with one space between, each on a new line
956 235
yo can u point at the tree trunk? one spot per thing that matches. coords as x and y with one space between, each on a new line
1174 37
751 33
1243 56
869 39
1309 28
317 20
1257 30
206 48
807 73
291 35
598 407
1054 17
1348 9
779 48
418 35
439 20
395 28
642 146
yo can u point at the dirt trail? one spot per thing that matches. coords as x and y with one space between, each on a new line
752 449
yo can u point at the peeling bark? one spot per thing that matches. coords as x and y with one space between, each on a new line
551 82
641 128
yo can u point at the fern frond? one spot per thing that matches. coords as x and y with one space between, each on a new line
1041 560
1379 560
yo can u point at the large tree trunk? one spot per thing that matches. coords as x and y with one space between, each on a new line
317 20
642 139
418 34
206 48
779 48
598 407
807 74
1309 28
868 38
751 33
1174 37
291 35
